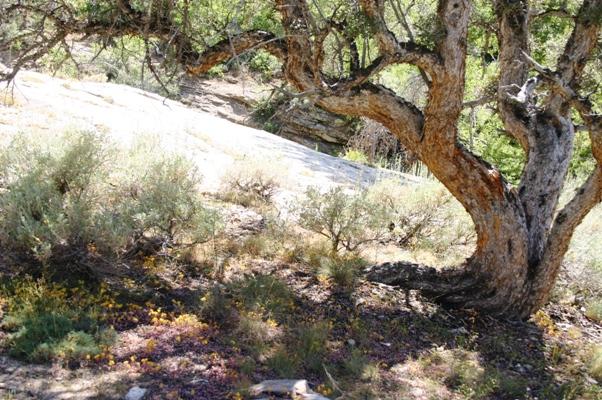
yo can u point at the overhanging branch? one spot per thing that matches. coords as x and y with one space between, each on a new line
401 52
234 46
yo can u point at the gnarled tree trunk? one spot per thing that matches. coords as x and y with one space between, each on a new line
522 235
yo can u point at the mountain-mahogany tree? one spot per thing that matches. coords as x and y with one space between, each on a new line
522 233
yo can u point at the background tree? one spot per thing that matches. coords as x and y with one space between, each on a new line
335 53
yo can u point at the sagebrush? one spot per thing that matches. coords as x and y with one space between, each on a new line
77 197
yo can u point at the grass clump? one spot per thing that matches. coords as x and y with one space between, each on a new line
48 322
595 363
283 363
216 306
342 270
311 345
462 372
266 294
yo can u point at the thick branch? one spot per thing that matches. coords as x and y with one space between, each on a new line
234 46
582 42
552 12
402 52
513 38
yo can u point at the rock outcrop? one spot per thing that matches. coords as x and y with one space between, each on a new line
237 99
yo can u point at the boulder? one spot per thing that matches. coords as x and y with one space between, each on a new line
236 99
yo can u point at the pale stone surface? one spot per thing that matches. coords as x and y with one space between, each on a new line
295 388
135 393
48 106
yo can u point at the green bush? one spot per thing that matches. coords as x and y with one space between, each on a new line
356 156
75 196
48 324
265 63
346 219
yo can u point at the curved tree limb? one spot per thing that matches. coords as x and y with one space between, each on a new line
230 47
402 52
513 39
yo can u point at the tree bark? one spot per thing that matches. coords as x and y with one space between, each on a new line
517 256
521 235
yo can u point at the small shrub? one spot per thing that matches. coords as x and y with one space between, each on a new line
250 183
47 192
342 270
265 293
166 205
347 220
48 323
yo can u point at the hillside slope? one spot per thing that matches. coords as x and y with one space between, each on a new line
50 105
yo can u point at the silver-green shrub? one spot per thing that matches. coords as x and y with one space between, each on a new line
347 218
78 195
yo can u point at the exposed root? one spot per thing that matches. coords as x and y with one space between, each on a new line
454 287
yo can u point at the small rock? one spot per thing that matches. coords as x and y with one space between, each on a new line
459 331
590 380
297 388
351 342
135 393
